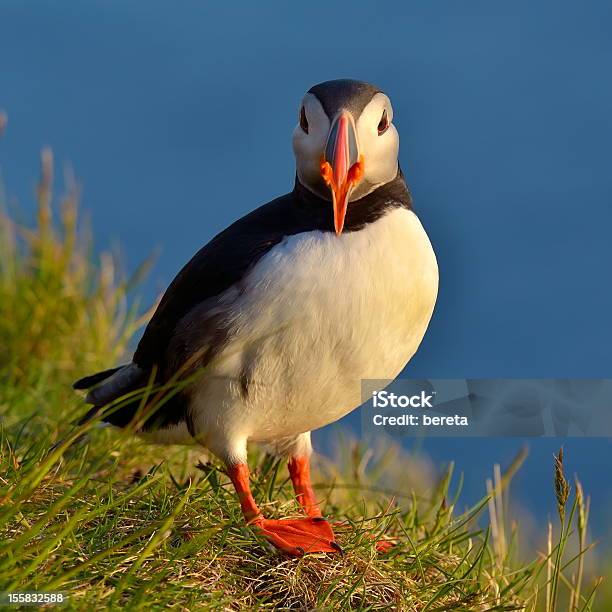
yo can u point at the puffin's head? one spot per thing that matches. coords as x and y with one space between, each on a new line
344 143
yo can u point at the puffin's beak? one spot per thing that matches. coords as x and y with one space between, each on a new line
341 165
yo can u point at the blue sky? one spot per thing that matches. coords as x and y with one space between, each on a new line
177 120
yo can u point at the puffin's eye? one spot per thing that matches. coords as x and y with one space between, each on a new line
383 124
303 120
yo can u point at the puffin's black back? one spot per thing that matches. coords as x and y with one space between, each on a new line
229 255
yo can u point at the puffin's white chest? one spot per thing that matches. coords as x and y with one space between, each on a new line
315 316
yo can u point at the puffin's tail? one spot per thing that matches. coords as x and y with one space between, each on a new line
109 385
89 381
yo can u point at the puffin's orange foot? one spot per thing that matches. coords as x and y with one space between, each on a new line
384 546
299 536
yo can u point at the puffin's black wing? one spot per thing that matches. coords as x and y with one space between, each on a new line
215 268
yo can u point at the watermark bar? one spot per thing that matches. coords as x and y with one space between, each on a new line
488 407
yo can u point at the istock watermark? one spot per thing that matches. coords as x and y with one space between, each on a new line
385 399
488 407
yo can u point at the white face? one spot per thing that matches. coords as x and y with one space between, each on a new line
377 148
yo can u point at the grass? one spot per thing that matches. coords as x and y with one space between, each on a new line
113 522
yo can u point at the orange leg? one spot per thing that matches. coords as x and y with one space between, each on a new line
240 479
293 536
299 470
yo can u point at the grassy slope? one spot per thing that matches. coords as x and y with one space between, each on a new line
113 522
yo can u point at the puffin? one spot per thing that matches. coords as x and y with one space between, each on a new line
268 331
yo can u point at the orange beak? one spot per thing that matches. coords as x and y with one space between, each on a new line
341 165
